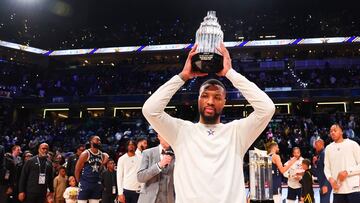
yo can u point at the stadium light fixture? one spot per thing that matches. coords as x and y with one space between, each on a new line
56 109
62 115
135 108
96 109
234 105
334 103
284 104
278 104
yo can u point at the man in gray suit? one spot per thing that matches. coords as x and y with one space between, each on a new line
156 171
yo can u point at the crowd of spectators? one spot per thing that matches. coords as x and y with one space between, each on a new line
17 80
65 134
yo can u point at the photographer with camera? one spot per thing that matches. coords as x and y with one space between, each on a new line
156 171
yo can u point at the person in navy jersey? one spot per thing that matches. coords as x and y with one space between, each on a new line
277 170
318 171
88 172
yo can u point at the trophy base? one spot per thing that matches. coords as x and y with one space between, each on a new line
261 201
207 62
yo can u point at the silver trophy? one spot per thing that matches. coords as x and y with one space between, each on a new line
260 177
208 37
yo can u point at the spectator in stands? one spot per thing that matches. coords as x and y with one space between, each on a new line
88 171
342 166
37 178
277 170
71 161
156 172
142 144
108 180
126 173
318 171
4 187
16 162
10 177
60 185
294 185
27 155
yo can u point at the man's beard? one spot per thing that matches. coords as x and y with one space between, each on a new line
96 145
210 119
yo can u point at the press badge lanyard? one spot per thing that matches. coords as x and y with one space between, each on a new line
41 175
113 183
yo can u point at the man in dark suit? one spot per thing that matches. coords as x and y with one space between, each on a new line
156 172
72 160
3 186
318 171
108 180
36 180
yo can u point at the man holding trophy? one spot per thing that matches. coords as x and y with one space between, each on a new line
209 165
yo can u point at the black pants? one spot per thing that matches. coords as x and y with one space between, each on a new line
293 193
35 198
131 196
14 197
3 196
347 198
108 198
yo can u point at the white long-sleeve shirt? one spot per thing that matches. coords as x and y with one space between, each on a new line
126 173
291 174
209 158
340 157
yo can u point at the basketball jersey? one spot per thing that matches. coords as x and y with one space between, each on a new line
276 177
91 169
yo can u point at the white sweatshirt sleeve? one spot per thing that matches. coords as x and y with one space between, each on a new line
355 170
264 108
327 170
120 176
153 110
286 174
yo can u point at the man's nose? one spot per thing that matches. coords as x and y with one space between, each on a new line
210 101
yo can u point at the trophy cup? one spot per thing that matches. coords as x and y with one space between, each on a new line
260 177
209 36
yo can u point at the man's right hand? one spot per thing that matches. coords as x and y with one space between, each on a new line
187 72
165 161
22 196
334 184
121 198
